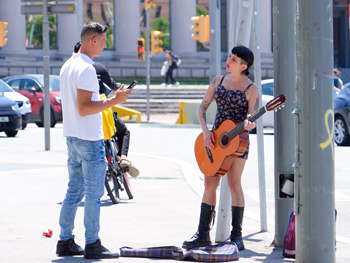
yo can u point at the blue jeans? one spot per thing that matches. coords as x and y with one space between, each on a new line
87 171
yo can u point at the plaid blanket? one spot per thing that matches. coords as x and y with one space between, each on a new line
222 252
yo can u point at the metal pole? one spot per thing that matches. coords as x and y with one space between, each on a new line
148 62
260 127
46 75
215 38
314 156
244 22
230 26
284 82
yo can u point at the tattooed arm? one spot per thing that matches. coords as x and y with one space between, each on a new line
202 110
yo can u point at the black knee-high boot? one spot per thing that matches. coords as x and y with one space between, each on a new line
202 237
237 220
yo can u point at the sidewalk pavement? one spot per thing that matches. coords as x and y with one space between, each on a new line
164 211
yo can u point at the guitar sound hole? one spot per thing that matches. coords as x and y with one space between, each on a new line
224 140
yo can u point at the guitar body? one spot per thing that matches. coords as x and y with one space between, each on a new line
218 160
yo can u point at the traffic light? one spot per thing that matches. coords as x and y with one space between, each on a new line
156 42
149 4
202 28
141 49
3 33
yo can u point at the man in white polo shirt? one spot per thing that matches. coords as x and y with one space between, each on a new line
82 127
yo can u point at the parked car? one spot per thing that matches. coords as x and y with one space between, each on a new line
267 95
23 102
32 86
342 116
10 117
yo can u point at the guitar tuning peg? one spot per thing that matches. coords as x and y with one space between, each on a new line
283 105
276 110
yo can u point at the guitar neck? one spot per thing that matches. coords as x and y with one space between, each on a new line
240 127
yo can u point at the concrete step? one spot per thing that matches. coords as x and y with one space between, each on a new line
162 99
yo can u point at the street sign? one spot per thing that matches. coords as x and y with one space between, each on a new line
40 1
51 9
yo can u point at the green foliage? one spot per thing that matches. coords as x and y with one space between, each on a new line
201 11
34 31
161 24
110 38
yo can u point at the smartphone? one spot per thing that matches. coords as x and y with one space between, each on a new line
133 84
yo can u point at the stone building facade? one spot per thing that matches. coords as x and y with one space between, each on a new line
125 19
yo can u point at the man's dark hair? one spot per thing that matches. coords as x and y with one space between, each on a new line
92 28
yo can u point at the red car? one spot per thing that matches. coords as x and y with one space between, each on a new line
32 86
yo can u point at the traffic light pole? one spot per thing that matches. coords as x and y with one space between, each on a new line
314 155
284 83
148 62
46 63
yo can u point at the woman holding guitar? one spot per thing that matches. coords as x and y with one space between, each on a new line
235 96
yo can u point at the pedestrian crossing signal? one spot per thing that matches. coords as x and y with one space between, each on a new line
202 28
3 33
141 49
156 42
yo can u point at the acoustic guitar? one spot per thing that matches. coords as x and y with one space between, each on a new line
231 140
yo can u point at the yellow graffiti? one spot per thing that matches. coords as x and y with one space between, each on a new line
330 132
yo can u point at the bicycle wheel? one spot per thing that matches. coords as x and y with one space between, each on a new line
127 185
112 187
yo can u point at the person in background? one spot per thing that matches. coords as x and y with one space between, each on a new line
123 134
172 64
235 96
82 127
338 83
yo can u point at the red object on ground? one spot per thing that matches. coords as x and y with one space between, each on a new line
48 233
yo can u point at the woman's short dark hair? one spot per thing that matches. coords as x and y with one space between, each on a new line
246 55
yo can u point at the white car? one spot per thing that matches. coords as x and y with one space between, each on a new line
23 103
267 95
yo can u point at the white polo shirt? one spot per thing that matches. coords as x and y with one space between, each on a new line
78 73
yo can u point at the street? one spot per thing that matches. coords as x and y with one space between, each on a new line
177 142
33 182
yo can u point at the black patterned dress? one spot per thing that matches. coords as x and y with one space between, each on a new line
231 105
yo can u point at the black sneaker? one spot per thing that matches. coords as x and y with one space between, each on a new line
68 248
97 251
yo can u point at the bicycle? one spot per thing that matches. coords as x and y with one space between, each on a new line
117 179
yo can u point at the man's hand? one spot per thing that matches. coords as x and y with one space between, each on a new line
120 95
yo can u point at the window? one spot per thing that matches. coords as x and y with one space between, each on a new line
34 31
14 84
28 84
101 11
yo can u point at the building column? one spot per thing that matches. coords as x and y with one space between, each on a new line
68 30
127 27
181 12
10 12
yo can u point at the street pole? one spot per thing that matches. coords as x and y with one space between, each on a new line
284 83
215 38
314 156
148 62
260 126
46 76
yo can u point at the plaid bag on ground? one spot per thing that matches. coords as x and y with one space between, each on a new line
216 253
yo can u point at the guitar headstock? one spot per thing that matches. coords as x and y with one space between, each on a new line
277 103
